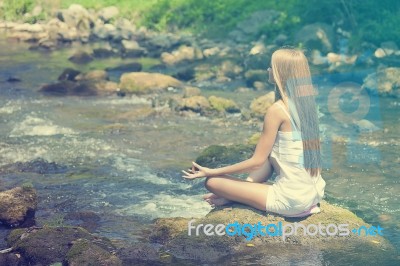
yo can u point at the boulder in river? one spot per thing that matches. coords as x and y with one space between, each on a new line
81 57
260 105
173 233
47 245
85 252
144 82
92 75
384 82
189 91
13 79
198 104
66 87
69 74
17 205
132 49
184 53
130 67
195 245
223 105
365 125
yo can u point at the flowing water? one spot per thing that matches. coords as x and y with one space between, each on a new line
105 157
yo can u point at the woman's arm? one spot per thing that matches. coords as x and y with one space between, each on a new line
272 122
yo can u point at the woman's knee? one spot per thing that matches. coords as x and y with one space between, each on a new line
211 182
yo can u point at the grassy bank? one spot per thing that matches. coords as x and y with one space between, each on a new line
373 21
16 9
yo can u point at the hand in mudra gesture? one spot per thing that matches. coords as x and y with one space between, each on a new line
197 171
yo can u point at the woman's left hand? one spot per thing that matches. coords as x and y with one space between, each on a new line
197 171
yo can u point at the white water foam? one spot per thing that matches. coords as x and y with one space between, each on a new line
166 205
127 100
35 126
12 153
10 107
67 149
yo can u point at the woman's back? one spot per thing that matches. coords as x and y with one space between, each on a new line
294 190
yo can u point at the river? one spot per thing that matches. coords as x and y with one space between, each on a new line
93 155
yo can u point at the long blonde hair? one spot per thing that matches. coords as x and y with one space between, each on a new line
292 76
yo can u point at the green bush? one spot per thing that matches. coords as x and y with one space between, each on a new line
14 9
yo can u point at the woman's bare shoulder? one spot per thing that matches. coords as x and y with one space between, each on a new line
275 112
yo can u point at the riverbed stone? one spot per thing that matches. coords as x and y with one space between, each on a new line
144 82
139 254
33 28
66 87
198 104
132 48
93 75
130 67
260 105
190 91
47 245
223 105
384 82
210 249
85 252
184 53
76 16
11 259
69 74
17 205
108 13
105 31
365 125
81 57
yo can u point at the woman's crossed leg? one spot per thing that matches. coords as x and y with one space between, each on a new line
235 189
226 189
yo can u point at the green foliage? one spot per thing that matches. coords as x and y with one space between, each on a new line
216 17
368 20
13 9
373 21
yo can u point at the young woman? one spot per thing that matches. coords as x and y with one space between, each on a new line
289 144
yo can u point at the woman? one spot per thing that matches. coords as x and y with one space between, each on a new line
289 144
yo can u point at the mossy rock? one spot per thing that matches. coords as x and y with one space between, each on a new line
166 228
84 252
143 82
254 75
210 249
217 155
46 245
17 205
223 105
260 105
198 104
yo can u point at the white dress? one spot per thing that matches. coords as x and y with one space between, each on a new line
295 192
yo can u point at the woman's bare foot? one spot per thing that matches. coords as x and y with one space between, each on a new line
215 200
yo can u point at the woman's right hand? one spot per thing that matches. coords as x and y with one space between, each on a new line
197 171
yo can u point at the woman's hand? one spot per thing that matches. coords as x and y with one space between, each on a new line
197 171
